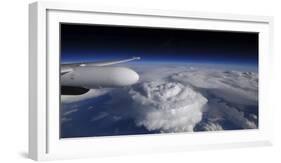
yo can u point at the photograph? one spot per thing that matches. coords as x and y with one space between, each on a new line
118 80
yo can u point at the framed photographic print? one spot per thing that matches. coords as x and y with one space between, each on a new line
110 81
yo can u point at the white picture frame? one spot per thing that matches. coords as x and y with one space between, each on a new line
44 142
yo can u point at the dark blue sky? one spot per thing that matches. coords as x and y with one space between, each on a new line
85 43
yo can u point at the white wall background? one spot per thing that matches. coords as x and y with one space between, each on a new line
14 80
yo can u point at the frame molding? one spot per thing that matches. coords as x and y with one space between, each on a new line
38 102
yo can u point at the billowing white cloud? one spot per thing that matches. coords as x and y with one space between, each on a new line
166 106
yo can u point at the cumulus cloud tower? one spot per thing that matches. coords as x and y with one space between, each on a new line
167 106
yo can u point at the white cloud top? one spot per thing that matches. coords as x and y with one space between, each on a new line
167 107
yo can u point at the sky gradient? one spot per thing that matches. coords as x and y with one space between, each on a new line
86 43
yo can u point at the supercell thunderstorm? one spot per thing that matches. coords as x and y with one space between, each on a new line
167 106
166 99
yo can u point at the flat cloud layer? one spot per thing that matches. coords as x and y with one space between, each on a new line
232 96
179 99
234 86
